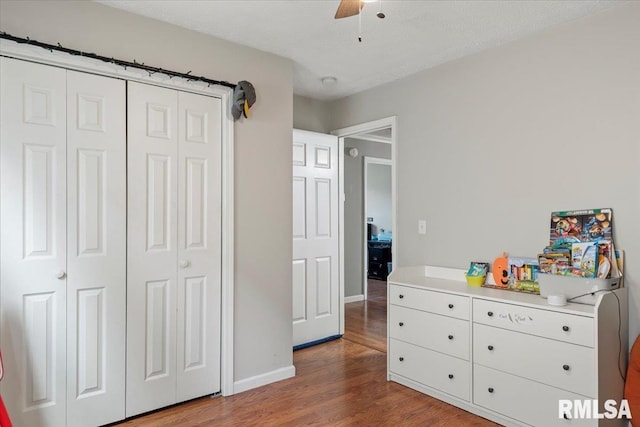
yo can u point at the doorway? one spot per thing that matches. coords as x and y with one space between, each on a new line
377 238
353 283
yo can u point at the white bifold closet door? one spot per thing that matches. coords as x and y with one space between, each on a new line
174 244
62 241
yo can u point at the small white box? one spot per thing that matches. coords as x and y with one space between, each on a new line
577 289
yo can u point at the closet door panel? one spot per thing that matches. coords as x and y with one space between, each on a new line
152 247
199 244
96 224
33 242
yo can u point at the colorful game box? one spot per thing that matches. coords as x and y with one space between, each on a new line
584 259
586 237
589 225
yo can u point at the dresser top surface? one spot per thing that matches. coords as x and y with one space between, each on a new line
446 280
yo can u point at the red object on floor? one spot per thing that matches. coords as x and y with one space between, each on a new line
4 416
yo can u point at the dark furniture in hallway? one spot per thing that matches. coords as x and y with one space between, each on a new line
379 256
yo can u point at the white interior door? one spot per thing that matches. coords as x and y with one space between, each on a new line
96 248
33 242
315 237
199 245
152 247
174 244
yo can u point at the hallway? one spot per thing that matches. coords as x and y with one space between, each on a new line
366 321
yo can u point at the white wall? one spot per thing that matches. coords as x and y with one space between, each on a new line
354 215
489 145
263 329
379 197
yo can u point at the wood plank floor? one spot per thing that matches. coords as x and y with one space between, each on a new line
339 383
366 321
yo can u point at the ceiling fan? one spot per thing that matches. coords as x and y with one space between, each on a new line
348 8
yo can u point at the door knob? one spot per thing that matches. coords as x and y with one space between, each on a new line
60 274
183 263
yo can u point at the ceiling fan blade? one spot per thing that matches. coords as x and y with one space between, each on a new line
348 8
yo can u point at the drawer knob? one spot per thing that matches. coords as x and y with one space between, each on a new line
450 337
401 296
450 376
566 367
401 324
450 305
565 328
490 389
401 359
490 313
490 348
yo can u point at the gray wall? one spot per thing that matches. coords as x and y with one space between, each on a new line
311 114
263 329
354 211
491 144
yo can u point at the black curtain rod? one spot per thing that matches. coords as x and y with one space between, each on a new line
122 63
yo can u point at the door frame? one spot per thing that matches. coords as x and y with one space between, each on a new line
352 131
369 161
36 54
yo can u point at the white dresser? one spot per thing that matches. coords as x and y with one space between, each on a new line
506 356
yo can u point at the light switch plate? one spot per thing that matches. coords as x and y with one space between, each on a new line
422 226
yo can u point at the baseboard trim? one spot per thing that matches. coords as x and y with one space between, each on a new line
264 379
353 298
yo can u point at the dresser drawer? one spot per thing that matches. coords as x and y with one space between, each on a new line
528 401
567 366
432 331
543 323
434 302
445 373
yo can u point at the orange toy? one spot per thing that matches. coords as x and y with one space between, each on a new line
501 271
632 384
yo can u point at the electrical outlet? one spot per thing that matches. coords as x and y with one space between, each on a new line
422 226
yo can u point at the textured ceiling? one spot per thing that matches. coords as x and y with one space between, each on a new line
414 36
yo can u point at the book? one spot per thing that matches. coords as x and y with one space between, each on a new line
584 259
478 269
523 274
